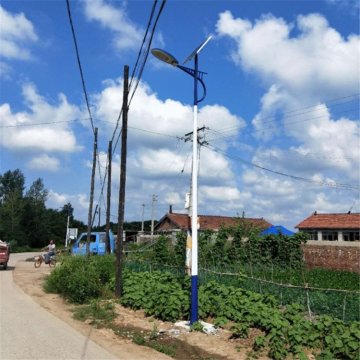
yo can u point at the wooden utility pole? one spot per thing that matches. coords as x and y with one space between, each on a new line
90 220
108 198
121 210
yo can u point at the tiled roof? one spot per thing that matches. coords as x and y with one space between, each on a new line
331 221
207 222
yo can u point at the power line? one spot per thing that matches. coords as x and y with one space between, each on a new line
142 66
222 134
294 177
298 112
148 48
83 82
154 132
79 64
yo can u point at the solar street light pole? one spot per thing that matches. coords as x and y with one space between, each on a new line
197 75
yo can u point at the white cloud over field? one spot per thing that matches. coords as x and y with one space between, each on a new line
301 66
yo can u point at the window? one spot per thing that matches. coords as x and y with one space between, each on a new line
351 235
313 235
330 235
102 237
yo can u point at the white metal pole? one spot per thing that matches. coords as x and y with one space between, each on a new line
67 232
194 223
142 218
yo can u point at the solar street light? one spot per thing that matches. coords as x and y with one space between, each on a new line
198 78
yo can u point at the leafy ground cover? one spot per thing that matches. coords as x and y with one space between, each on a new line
270 264
284 329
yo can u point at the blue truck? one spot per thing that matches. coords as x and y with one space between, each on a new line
97 243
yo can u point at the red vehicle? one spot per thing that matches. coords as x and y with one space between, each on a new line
4 254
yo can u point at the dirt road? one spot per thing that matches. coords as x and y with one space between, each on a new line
29 331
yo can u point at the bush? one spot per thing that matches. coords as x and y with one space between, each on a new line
80 279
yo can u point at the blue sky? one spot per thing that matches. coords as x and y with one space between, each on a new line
281 112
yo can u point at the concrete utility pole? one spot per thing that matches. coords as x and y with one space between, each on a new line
142 218
121 210
188 203
67 231
108 198
91 193
154 200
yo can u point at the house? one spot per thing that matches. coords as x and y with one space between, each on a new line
334 241
171 223
333 229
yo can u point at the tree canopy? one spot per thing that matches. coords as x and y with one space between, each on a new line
25 221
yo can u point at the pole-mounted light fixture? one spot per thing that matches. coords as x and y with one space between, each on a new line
197 75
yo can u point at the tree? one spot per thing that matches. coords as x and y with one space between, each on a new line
35 220
12 182
11 205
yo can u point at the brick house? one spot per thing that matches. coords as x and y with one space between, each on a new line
172 223
332 229
334 241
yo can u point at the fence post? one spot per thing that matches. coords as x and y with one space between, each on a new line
344 307
308 300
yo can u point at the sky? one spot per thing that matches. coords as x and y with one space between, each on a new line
280 116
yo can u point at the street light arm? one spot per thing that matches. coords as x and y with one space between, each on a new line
191 72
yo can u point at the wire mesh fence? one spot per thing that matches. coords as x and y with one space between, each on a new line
266 268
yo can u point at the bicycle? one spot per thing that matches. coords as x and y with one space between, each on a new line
38 260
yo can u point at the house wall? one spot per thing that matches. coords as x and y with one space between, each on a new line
332 257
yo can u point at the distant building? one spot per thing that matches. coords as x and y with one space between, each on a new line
172 223
334 241
332 228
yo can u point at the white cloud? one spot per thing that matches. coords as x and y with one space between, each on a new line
5 70
44 162
220 193
79 202
319 55
302 65
127 34
158 162
17 32
23 130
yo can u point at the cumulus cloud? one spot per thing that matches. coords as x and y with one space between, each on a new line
127 35
56 200
17 33
319 55
44 162
301 65
159 160
43 127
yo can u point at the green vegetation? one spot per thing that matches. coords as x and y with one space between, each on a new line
285 329
25 222
80 279
266 265
100 313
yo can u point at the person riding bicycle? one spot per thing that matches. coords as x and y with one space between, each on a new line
51 248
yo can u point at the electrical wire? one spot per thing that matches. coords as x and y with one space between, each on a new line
142 66
79 64
222 134
83 85
294 177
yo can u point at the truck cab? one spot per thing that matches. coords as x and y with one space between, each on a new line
97 244
4 254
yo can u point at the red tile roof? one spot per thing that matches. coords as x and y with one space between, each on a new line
331 221
207 222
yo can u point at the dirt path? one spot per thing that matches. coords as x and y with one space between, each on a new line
194 345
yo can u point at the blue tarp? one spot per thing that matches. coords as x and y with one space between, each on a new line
276 230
